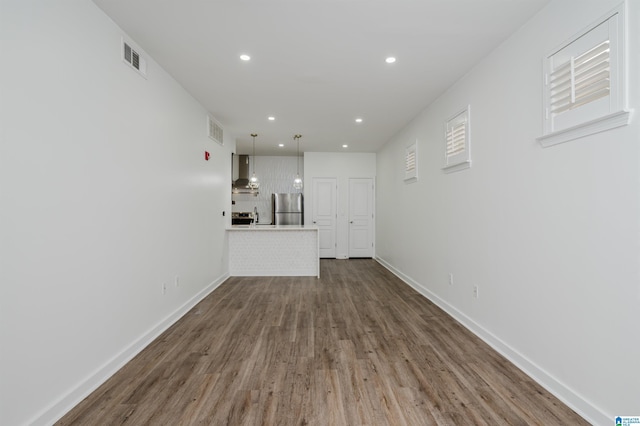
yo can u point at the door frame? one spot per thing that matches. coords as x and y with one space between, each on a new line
372 225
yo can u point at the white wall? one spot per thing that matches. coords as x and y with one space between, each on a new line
341 166
550 236
276 174
105 195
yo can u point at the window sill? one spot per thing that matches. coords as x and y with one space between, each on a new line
611 121
457 167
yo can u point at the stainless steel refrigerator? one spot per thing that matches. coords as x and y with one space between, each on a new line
287 209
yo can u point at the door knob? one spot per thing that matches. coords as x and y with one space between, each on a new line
351 222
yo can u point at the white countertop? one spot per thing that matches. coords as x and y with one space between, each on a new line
273 228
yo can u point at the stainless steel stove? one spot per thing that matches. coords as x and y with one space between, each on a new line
241 218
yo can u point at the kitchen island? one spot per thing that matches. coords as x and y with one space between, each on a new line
273 250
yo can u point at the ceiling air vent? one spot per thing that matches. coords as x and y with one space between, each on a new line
133 58
214 130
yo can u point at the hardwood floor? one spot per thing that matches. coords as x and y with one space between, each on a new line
356 347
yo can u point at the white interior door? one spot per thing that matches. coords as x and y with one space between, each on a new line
361 217
325 213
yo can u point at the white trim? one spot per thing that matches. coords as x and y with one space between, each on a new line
72 398
568 396
457 167
601 124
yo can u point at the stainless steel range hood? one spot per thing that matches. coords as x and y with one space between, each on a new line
241 185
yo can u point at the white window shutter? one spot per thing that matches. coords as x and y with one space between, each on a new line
456 139
411 163
457 142
582 79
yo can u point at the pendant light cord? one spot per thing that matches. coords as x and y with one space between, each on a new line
253 182
253 135
297 138
297 182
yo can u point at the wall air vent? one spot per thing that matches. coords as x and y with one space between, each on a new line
133 59
214 130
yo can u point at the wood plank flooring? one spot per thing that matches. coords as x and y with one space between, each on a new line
356 347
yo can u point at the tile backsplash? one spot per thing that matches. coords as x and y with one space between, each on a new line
276 175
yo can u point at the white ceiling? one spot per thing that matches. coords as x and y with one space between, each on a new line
316 65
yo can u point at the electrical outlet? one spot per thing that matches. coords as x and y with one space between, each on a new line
177 281
164 288
475 291
450 278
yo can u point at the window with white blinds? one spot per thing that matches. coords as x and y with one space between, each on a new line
411 163
457 148
456 139
584 83
580 80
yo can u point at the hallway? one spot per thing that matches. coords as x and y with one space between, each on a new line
356 347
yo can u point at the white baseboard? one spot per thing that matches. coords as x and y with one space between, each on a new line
59 408
565 394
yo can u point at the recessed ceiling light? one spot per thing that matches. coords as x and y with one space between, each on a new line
345 146
390 60
280 145
358 120
271 118
245 57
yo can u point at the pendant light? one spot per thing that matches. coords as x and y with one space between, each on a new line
297 182
254 183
